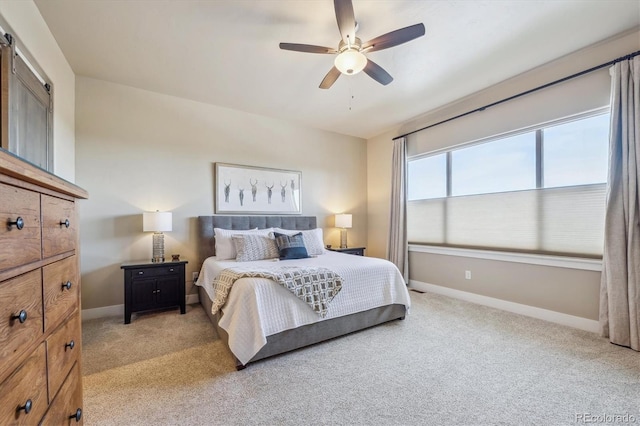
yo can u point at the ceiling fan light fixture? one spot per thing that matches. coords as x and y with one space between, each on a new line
350 61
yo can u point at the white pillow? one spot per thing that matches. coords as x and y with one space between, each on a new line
255 247
225 249
312 238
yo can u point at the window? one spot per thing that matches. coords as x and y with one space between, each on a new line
575 153
429 176
542 191
507 164
26 109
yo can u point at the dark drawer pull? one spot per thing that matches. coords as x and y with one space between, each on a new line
69 345
22 316
67 285
19 223
66 223
77 416
26 407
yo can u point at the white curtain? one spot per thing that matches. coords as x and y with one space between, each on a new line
620 288
398 248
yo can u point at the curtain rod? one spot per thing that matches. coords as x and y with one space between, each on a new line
535 89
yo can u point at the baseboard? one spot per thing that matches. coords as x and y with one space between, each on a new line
103 312
118 310
517 308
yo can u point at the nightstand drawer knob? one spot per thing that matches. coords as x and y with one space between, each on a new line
171 270
70 345
26 407
77 416
65 223
22 316
19 223
67 285
140 273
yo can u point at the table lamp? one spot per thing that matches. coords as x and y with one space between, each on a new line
343 221
157 222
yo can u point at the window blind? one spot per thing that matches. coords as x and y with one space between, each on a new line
567 220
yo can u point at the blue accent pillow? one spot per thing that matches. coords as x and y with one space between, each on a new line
290 246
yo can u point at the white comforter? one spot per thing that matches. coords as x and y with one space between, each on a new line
258 307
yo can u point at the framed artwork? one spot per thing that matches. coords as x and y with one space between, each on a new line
257 190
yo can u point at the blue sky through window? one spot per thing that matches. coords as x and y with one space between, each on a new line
573 153
507 164
427 178
576 153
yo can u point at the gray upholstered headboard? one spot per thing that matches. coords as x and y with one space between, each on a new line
206 245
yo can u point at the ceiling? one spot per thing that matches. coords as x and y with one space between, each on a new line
225 52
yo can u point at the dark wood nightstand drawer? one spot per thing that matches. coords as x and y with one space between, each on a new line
155 271
358 251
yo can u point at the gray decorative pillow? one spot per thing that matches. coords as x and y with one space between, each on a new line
254 247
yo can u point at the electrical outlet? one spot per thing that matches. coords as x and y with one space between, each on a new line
194 276
467 275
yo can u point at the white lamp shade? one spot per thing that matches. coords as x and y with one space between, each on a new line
350 62
343 221
156 221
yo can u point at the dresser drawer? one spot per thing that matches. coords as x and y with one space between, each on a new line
63 350
61 291
26 387
19 246
66 408
22 294
59 226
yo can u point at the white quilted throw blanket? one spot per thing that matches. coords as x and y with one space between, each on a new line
316 286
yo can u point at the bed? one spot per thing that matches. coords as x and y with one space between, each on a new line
262 319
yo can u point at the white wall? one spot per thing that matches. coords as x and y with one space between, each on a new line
142 151
23 20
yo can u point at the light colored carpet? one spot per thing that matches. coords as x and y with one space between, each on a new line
449 363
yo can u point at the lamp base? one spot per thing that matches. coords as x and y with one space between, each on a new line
158 247
343 238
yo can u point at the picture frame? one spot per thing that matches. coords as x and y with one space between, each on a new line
257 190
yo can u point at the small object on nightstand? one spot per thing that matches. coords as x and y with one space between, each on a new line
151 285
359 251
175 257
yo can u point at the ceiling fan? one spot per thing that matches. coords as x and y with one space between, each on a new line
351 50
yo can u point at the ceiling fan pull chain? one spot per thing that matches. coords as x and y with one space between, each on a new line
351 97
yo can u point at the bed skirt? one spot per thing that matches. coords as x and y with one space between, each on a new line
310 334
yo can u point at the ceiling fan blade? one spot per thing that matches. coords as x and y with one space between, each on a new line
346 19
394 38
330 78
377 73
308 48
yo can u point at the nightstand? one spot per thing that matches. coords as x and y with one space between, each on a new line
149 286
350 250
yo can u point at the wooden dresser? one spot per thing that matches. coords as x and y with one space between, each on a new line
40 329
